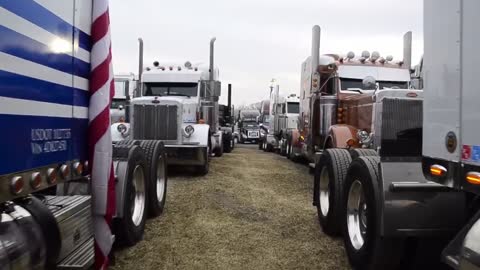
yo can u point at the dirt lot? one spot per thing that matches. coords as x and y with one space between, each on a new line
252 211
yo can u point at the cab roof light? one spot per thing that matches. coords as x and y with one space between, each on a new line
438 170
473 178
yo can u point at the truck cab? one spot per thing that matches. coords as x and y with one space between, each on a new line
249 129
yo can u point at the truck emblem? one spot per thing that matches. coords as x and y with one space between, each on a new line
412 94
451 142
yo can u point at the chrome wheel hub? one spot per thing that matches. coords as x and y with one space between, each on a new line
160 179
324 191
357 215
138 195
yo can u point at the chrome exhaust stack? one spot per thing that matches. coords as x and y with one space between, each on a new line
315 48
407 49
140 67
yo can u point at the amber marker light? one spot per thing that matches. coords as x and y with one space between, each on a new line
473 178
437 170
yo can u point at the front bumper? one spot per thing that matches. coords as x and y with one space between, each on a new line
185 154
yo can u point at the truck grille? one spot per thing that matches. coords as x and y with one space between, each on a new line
401 127
155 122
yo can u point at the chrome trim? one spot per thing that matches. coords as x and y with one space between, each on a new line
138 195
356 215
324 191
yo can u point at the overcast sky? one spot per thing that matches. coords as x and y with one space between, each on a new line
258 40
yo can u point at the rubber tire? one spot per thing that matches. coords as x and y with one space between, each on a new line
155 150
219 151
228 143
260 145
362 152
48 225
377 252
336 161
205 168
127 233
268 148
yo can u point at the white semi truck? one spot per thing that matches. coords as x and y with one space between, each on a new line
283 119
177 103
45 204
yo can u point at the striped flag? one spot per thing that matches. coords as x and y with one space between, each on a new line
100 141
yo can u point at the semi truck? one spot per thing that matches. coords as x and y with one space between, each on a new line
367 135
334 102
451 151
283 120
249 130
45 190
177 103
264 122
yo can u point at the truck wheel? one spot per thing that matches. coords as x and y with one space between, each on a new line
366 248
204 169
329 179
260 144
219 151
362 152
157 175
228 144
129 229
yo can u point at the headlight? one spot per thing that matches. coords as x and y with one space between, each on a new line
189 130
364 138
122 128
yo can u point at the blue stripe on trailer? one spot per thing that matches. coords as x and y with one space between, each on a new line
44 18
18 86
23 147
26 48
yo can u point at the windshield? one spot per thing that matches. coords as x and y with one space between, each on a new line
293 107
357 83
170 89
250 124
118 102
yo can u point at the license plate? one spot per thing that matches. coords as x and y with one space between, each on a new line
253 134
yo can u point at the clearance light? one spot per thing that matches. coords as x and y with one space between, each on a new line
473 178
35 180
438 170
64 171
16 185
302 138
350 142
78 168
52 176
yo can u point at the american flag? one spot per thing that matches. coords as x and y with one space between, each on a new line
100 141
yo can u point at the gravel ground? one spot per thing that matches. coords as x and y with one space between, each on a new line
252 211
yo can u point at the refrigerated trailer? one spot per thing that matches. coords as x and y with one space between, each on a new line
45 203
451 133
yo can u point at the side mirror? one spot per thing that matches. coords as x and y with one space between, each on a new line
369 83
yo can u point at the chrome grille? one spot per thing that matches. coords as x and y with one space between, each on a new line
401 127
399 115
155 122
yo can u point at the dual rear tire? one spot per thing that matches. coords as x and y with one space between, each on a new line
346 194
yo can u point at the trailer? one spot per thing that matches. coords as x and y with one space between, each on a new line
451 141
366 136
177 103
45 190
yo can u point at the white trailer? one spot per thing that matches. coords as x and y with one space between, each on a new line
45 204
451 133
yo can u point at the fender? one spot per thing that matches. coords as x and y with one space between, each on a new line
295 135
200 135
338 135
